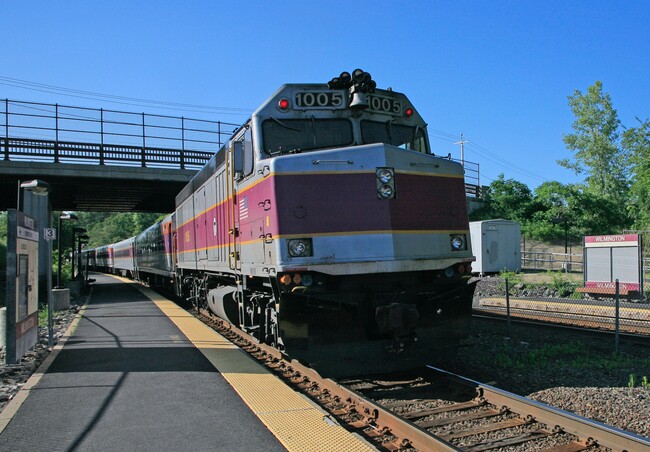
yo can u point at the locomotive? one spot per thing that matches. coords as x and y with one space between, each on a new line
325 227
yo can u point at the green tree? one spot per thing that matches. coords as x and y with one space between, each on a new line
637 141
595 142
506 198
582 211
107 227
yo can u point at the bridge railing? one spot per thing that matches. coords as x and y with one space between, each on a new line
61 133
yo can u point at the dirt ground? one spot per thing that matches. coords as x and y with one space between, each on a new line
545 277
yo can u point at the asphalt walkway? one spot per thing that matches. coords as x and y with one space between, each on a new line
129 379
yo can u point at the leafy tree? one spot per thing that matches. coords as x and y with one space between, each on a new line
107 227
572 205
595 142
637 141
508 199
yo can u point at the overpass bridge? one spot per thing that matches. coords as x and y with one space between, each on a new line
103 160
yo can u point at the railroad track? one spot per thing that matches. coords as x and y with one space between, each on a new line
449 417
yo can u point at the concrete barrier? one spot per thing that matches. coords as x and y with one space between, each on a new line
60 299
75 287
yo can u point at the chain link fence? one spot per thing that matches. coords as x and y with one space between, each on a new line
556 302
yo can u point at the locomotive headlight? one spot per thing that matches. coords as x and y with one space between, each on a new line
300 247
385 191
385 175
307 280
385 183
458 242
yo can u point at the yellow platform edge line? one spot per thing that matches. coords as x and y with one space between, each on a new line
297 422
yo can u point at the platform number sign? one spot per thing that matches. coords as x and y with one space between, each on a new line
49 233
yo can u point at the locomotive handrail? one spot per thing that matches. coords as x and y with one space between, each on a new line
231 200
318 162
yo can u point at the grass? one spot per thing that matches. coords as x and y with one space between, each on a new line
577 357
564 284
632 382
526 358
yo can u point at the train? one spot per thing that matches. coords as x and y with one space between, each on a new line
325 227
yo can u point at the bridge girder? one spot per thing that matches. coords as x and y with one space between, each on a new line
97 188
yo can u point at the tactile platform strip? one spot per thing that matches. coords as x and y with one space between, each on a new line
297 422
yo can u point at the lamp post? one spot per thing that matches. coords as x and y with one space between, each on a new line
42 188
565 221
74 242
83 266
64 216
82 239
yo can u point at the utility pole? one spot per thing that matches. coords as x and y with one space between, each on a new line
462 149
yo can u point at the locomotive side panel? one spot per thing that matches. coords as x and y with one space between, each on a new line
218 225
185 244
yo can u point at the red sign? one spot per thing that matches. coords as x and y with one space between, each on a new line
612 240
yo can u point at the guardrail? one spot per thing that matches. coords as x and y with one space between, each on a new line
62 133
552 261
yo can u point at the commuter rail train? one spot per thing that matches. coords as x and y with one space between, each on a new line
325 227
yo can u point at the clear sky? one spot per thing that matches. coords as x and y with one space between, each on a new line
497 71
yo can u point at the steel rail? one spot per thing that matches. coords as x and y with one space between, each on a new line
377 418
587 430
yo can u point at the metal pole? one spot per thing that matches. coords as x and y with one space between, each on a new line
79 256
508 302
101 145
73 240
182 142
59 238
50 323
56 142
616 315
6 129
144 143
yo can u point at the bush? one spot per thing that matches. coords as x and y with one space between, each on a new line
561 284
512 277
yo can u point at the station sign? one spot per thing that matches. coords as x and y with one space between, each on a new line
22 284
611 257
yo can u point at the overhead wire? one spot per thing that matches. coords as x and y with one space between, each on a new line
486 154
122 100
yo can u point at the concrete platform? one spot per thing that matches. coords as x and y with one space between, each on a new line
139 373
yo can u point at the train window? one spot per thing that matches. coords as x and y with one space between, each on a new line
406 137
298 135
249 163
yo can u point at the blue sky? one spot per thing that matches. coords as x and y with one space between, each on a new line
497 71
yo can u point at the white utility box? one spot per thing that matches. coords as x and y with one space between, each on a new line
496 245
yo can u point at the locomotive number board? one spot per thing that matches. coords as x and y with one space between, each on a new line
385 105
320 99
328 99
